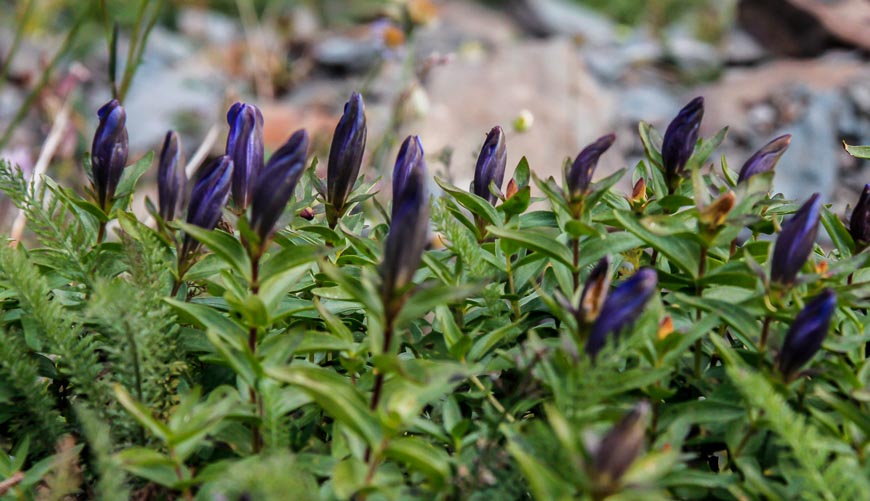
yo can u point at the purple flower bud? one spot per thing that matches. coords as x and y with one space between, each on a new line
171 178
765 159
208 198
580 173
408 232
345 155
410 158
795 242
621 308
490 164
276 183
679 141
621 446
245 148
805 336
595 291
109 152
859 224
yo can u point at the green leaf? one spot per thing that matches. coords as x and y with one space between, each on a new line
705 148
522 173
142 414
682 253
129 177
421 456
543 482
425 300
336 396
478 206
840 236
858 151
208 318
287 258
224 245
518 203
152 466
538 240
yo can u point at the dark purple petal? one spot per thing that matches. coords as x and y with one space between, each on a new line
795 242
109 151
208 197
622 308
171 178
276 183
621 446
346 153
410 157
490 164
408 232
580 173
765 159
245 148
680 138
859 223
806 334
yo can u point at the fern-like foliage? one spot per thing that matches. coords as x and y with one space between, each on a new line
33 407
64 229
111 479
75 351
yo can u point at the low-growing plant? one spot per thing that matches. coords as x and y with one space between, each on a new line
275 335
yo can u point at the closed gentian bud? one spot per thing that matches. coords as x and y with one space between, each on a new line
276 183
171 178
408 235
859 223
595 291
621 308
621 446
345 156
245 148
208 198
795 242
679 141
805 336
765 159
410 157
490 164
580 173
109 152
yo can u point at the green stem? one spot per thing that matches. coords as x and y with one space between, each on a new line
515 303
699 289
254 398
16 41
492 400
575 247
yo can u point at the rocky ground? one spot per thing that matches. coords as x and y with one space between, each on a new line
577 73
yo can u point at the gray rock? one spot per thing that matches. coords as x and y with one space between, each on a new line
740 48
691 55
650 103
558 17
810 164
208 25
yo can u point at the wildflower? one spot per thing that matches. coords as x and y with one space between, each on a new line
171 178
410 157
859 223
595 291
621 308
208 198
245 148
795 242
408 233
679 141
805 336
579 175
276 183
345 156
765 159
621 446
109 152
490 164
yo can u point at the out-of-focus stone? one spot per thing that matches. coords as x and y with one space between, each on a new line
558 17
208 26
545 77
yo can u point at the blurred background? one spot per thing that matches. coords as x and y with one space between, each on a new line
556 74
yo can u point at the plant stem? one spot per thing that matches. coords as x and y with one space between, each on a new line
379 377
575 245
515 303
256 438
765 331
16 41
492 400
101 233
699 289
